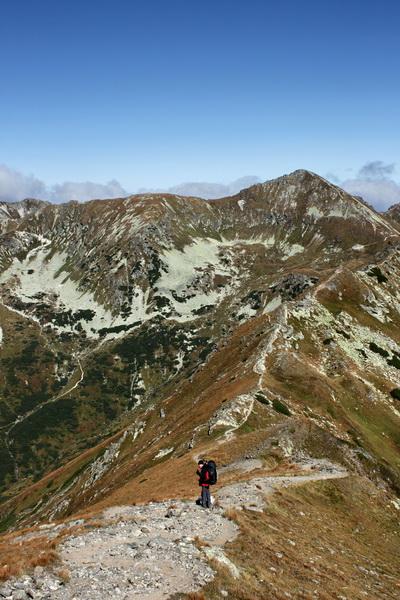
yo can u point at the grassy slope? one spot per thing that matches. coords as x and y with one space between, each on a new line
321 384
327 540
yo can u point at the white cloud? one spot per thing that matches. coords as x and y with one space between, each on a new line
332 177
85 191
207 190
376 170
374 185
15 186
374 182
380 193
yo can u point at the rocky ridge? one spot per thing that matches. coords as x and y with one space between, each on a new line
155 550
13 212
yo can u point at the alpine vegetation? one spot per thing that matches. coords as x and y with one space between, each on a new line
259 332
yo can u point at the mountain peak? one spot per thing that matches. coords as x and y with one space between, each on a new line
301 174
306 195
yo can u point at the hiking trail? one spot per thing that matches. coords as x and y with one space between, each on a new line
153 551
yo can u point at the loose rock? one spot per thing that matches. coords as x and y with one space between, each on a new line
153 552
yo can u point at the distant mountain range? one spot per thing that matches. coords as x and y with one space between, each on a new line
139 330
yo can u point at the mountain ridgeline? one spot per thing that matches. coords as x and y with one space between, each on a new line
135 331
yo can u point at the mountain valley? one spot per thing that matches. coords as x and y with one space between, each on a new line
142 333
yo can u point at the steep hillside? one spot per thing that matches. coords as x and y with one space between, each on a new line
142 332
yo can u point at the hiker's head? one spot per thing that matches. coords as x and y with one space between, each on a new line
200 464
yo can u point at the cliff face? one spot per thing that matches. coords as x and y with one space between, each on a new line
167 321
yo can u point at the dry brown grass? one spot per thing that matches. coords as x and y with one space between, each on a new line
22 551
44 558
328 539
64 574
7 571
155 484
201 543
21 556
230 513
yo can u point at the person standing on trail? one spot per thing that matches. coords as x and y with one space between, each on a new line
204 478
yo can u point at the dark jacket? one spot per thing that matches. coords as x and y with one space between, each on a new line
204 476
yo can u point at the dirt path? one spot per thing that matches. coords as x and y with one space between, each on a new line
161 548
251 493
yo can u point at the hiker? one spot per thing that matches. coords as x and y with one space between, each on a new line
204 478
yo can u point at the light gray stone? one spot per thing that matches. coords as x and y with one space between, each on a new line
20 595
5 591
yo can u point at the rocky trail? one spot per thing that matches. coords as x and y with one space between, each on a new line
155 550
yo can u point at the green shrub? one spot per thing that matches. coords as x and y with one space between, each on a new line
376 272
330 410
350 444
378 350
280 407
261 398
246 427
343 333
395 393
328 341
395 362
356 439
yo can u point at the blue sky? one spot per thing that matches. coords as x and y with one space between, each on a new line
102 98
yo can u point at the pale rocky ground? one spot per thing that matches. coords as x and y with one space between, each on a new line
152 551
